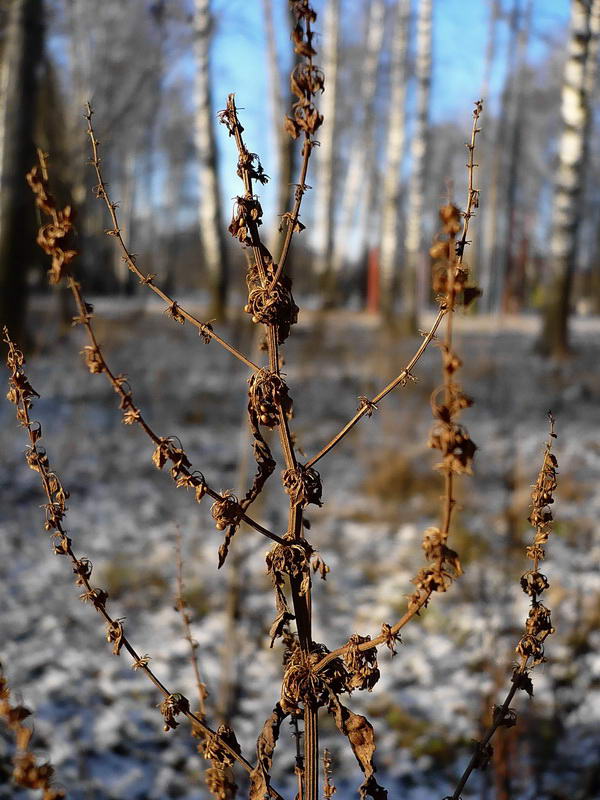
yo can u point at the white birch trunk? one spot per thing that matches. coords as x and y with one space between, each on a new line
578 78
211 223
356 188
391 211
493 233
480 246
415 259
324 219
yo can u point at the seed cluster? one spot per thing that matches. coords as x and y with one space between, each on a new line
26 772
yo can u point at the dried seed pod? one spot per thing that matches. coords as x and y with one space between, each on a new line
226 511
303 484
363 672
170 707
267 392
115 634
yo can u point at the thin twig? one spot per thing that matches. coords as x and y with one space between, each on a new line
451 392
26 772
367 407
101 191
181 606
167 448
21 394
538 625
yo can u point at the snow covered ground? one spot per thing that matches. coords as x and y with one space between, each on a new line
97 720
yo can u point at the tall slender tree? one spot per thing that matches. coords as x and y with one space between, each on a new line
415 262
361 158
22 54
494 232
579 72
324 194
396 136
211 217
284 144
479 246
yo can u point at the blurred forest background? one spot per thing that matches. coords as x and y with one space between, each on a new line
401 80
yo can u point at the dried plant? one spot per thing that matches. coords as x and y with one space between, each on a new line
182 607
314 676
27 772
538 625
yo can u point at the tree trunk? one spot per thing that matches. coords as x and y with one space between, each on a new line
284 144
416 260
324 221
360 164
391 206
572 154
508 267
479 258
18 82
211 218
494 233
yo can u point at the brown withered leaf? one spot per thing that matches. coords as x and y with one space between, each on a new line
220 782
115 634
260 779
361 736
470 294
174 312
291 128
279 623
523 681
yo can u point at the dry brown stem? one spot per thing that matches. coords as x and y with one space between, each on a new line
21 394
313 678
366 406
182 607
451 438
270 303
176 311
167 449
538 626
27 772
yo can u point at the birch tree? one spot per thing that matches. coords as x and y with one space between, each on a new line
579 73
211 218
284 144
391 210
360 162
480 246
22 52
415 259
509 293
324 195
493 231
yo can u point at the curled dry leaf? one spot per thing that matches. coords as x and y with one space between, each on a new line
361 736
260 778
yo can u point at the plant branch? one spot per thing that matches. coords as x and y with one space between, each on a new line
181 606
177 311
175 703
368 406
538 625
168 449
294 215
